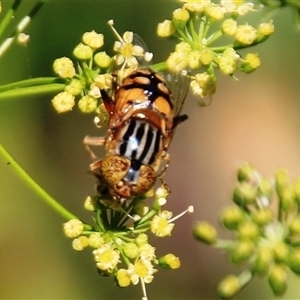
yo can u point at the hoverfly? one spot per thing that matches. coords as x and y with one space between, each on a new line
144 110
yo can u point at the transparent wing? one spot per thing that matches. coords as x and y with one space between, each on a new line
138 41
178 83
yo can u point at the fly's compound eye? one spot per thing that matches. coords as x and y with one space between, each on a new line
145 181
114 169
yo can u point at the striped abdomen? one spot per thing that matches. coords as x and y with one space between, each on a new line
140 142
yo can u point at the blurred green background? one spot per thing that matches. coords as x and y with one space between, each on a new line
256 119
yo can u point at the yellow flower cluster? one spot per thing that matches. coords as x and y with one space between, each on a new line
119 239
266 241
197 49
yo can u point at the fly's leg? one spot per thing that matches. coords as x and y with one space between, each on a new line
166 157
93 141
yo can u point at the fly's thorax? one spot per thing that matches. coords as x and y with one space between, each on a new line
143 94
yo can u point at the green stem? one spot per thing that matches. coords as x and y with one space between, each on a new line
21 25
32 90
9 15
159 67
30 82
34 186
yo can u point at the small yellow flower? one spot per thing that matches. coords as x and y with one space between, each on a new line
141 208
165 29
131 250
180 18
245 34
251 62
74 87
203 85
64 67
160 225
215 11
194 61
96 240
177 61
147 251
73 228
123 278
107 257
196 7
206 56
90 203
229 27
169 261
102 59
87 104
205 232
83 52
63 102
80 243
266 28
227 61
143 269
104 81
93 39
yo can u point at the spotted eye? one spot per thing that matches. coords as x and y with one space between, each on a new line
114 168
146 180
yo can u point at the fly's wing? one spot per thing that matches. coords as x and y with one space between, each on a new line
144 61
178 83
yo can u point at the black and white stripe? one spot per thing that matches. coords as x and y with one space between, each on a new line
139 141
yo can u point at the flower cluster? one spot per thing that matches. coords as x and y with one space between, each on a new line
120 240
267 239
93 71
204 29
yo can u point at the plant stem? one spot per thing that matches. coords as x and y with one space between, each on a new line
9 15
21 25
32 90
10 161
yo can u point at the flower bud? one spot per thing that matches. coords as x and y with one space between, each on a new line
242 252
282 179
278 280
141 239
123 278
74 87
64 67
63 102
294 226
205 233
131 250
165 29
262 216
80 243
251 63
245 34
73 228
265 187
180 18
287 198
246 172
294 261
215 12
263 261
265 29
102 59
248 231
244 194
228 287
281 252
87 104
169 261
232 216
206 56
90 203
96 240
83 52
229 27
93 39
194 59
